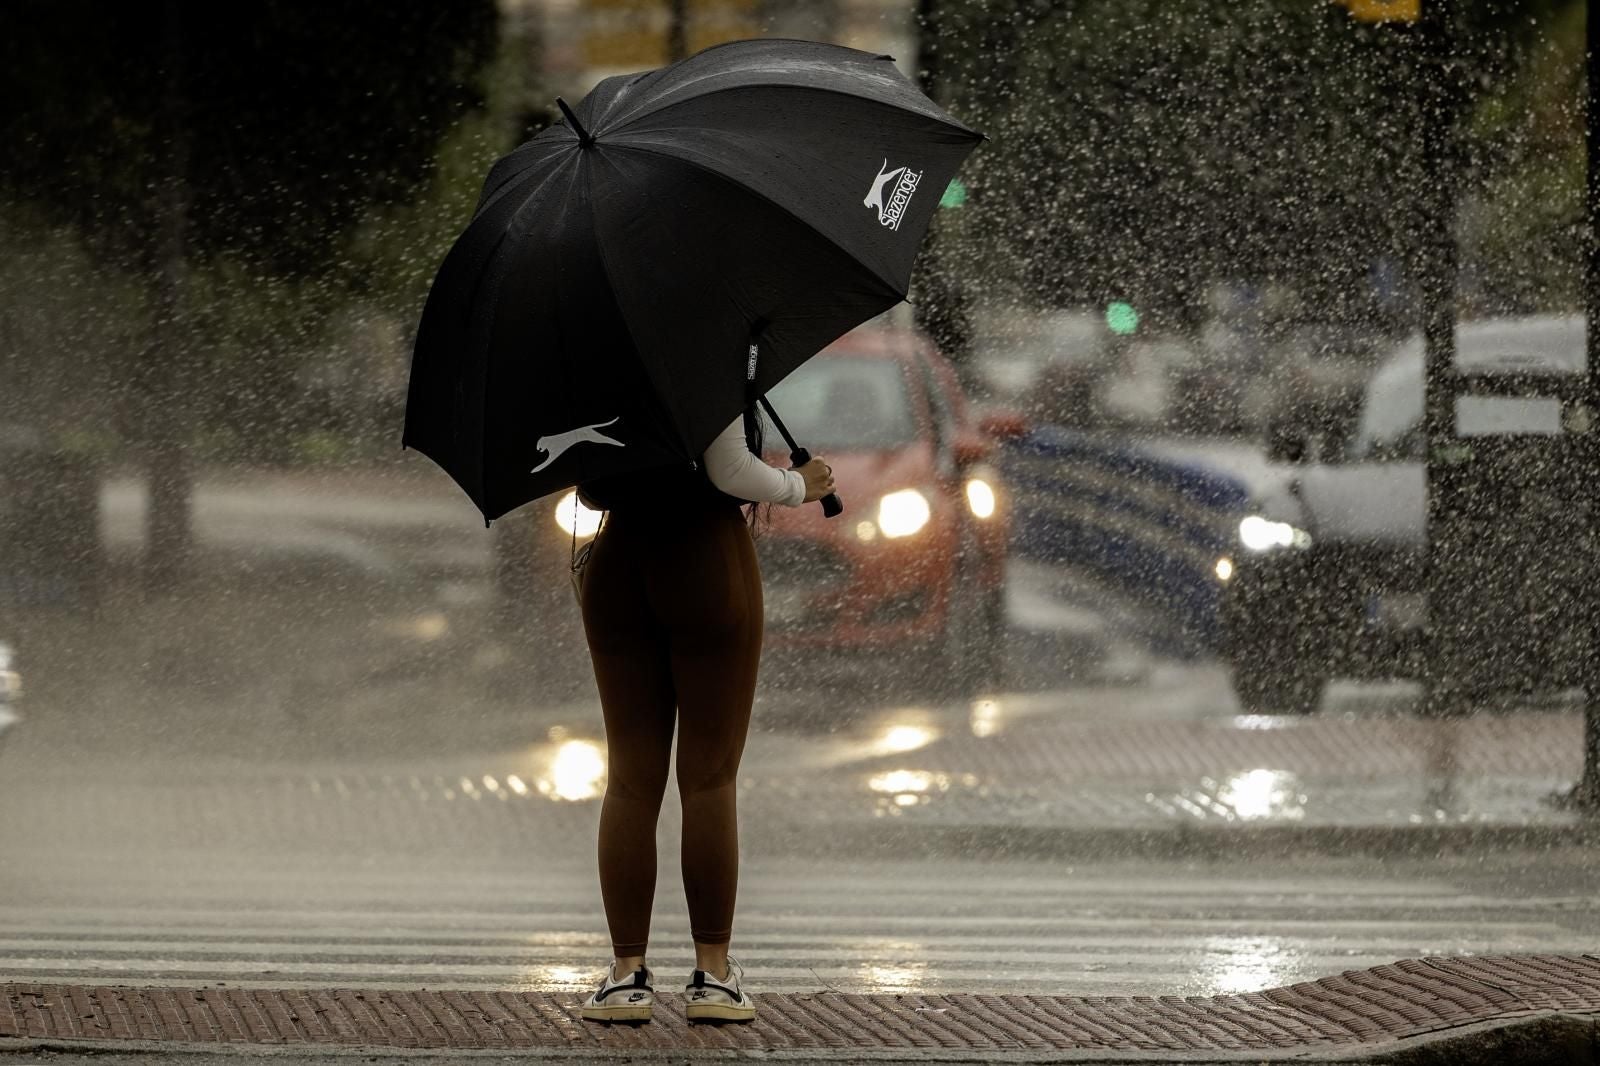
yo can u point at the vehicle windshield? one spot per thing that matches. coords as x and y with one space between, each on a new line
1390 428
842 403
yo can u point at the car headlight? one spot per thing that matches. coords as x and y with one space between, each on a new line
980 497
574 518
10 683
1262 534
900 514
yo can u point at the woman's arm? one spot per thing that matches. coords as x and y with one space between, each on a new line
738 472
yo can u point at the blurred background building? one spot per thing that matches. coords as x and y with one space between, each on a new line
578 42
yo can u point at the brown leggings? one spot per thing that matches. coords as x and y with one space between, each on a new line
672 608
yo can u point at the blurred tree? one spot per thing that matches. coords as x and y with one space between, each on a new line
940 294
393 254
179 134
58 303
1145 148
1523 230
396 249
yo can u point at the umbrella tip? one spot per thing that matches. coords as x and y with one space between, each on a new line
584 137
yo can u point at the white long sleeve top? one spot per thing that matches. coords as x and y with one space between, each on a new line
734 469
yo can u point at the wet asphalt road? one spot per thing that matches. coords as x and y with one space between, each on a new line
946 924
310 772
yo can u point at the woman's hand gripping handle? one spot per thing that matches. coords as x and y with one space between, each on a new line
819 481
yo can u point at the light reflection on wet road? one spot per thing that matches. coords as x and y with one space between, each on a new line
1118 928
394 832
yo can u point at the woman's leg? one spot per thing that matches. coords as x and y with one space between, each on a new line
633 674
713 609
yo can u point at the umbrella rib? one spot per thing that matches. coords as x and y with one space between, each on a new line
670 396
938 114
894 289
536 154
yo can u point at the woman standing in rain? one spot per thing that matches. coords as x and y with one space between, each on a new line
671 225
672 608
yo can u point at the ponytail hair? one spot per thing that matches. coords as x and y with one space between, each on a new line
755 439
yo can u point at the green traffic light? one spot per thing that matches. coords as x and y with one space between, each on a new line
955 194
1121 318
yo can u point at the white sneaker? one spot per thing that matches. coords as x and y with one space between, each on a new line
628 1000
707 999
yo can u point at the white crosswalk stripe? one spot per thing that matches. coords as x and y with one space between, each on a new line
1041 928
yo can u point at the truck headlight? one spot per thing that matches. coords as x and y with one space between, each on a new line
1262 534
900 514
574 518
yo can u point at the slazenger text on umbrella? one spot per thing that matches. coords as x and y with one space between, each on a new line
890 214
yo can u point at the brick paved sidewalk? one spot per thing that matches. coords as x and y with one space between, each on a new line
1359 1011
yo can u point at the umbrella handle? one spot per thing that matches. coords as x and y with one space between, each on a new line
832 506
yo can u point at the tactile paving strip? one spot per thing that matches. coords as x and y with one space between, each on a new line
1410 998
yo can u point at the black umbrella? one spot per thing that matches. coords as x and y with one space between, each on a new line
621 271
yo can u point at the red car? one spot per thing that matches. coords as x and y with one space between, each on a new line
916 564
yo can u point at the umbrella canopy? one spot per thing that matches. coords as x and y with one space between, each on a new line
597 313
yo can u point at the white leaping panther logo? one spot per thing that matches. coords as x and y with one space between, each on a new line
885 176
905 184
553 446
